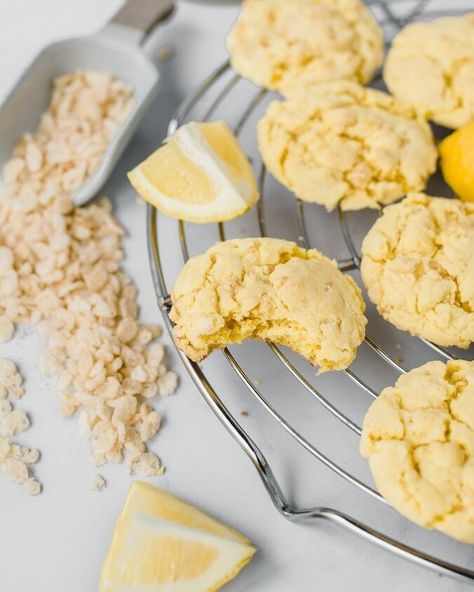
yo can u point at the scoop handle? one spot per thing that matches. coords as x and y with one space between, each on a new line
143 15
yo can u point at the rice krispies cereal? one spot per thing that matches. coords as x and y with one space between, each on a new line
60 269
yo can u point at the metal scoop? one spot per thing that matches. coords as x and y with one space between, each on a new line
115 48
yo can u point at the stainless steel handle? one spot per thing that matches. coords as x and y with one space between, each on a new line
143 15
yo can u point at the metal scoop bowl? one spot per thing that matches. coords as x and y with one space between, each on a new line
117 49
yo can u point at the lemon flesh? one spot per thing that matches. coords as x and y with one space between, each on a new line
457 161
160 543
199 175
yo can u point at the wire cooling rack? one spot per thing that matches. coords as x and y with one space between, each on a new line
225 95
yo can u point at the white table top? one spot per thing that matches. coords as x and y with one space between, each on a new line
56 542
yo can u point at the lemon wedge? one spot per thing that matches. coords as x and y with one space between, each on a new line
199 175
457 161
162 544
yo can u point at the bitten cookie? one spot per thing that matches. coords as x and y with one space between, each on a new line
418 437
418 268
270 289
431 66
281 44
344 143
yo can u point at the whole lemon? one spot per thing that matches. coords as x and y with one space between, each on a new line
457 161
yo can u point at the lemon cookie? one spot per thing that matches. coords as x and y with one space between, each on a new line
280 44
344 143
418 269
431 66
419 439
266 288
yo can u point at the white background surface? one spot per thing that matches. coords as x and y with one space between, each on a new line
56 542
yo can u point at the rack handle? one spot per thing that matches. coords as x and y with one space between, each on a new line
143 15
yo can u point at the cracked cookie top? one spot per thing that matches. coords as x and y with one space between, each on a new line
431 66
344 143
418 268
270 289
280 44
419 439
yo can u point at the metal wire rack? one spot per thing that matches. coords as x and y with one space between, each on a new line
226 95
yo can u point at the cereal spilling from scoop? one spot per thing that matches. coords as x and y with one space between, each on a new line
84 114
15 460
60 269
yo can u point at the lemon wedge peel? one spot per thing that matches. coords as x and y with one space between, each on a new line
192 560
457 161
207 171
197 552
148 500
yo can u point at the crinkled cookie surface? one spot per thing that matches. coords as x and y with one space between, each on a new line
344 143
281 44
419 439
270 289
431 66
418 267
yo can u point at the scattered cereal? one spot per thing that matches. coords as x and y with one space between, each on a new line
15 469
32 487
5 447
15 459
16 421
27 455
7 328
99 483
146 465
67 278
5 408
149 425
10 380
167 383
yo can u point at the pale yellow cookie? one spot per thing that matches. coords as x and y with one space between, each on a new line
419 439
418 267
431 66
344 143
280 44
270 289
